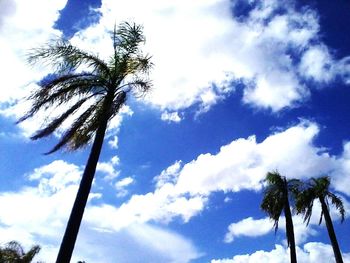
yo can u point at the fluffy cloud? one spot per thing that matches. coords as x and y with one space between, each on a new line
310 252
243 163
169 175
38 215
197 53
121 185
20 32
109 168
248 227
171 116
162 205
184 189
151 243
40 211
114 126
341 174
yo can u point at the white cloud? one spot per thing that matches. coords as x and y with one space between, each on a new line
162 206
114 126
121 185
340 176
38 215
19 33
41 210
169 175
243 163
316 63
310 252
175 247
151 243
182 190
248 227
195 49
197 53
109 168
171 116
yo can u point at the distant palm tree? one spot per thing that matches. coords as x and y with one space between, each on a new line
318 188
13 252
93 97
276 201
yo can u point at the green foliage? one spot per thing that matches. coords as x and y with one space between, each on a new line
13 252
317 188
92 95
276 195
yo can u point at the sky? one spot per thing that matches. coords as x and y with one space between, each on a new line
240 88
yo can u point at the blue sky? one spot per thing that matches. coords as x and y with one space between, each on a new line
240 88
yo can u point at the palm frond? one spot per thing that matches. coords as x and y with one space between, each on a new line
68 136
321 216
118 103
129 37
60 90
54 124
65 57
272 204
304 202
28 257
317 188
338 203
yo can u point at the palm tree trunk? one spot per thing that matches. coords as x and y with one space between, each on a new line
72 229
290 232
289 224
331 232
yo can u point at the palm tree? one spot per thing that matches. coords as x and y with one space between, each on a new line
318 188
13 252
276 201
93 97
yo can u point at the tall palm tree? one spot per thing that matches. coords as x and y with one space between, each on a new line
276 201
318 188
13 252
93 97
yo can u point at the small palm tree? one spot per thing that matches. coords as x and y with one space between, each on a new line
318 188
92 97
13 252
276 201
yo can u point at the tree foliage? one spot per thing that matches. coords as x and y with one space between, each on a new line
276 194
13 252
317 188
83 93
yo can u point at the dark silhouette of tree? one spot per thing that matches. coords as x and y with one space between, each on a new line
13 252
276 201
318 189
93 97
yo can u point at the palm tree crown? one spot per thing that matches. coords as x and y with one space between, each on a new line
103 83
276 201
318 188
